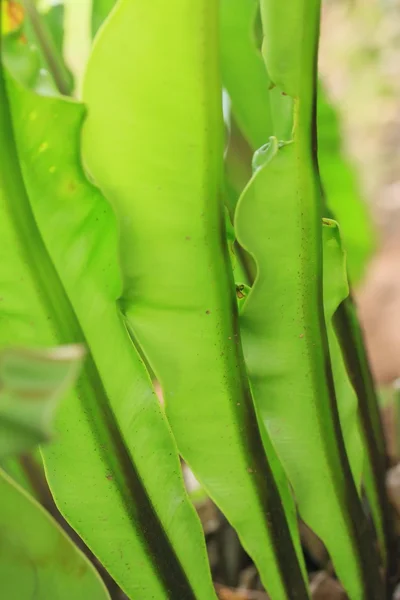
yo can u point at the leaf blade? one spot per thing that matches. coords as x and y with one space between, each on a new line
295 389
181 295
243 71
104 426
36 556
100 11
336 290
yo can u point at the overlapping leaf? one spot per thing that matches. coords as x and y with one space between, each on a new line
100 11
335 291
261 109
282 344
153 142
285 339
243 71
37 559
113 466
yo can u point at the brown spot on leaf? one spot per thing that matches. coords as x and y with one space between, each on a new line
71 186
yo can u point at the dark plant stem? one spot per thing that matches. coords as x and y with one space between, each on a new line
35 475
360 370
351 341
46 43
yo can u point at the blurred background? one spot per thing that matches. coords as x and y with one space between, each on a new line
360 66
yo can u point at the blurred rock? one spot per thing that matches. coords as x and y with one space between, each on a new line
225 593
393 488
249 578
314 546
208 514
323 587
396 595
378 302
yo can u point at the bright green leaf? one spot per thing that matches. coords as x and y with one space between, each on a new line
335 290
284 48
123 499
283 350
37 559
153 142
284 333
261 113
